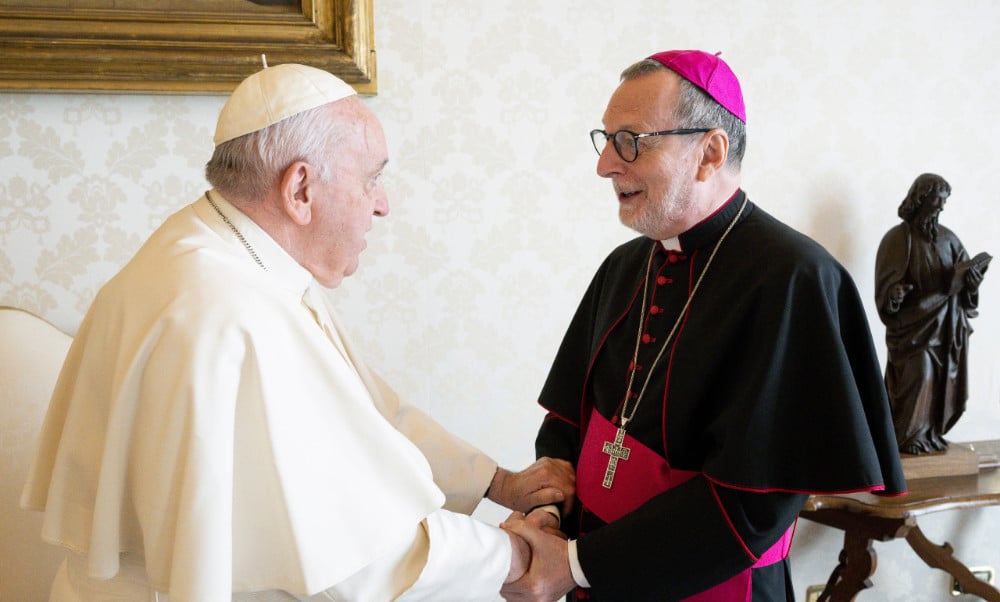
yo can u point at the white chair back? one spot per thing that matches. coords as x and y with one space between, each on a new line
31 354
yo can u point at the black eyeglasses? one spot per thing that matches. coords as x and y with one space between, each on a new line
627 143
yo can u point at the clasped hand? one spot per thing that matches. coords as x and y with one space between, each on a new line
541 557
539 568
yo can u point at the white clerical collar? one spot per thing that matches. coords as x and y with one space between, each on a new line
672 244
272 257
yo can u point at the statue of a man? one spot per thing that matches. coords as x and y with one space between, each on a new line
926 290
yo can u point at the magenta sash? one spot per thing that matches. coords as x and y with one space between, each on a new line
643 475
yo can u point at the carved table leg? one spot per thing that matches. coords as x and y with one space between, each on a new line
858 559
940 557
857 564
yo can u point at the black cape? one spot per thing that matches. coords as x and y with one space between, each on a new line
771 390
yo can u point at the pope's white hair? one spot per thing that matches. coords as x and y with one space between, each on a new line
248 167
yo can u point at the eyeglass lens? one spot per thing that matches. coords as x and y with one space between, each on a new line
623 141
627 145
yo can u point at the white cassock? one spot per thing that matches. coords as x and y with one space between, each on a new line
213 432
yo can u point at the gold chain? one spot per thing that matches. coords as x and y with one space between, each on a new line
642 318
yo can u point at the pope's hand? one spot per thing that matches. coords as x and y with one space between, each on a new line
547 481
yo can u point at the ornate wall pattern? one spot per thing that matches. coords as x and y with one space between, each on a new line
498 219
86 178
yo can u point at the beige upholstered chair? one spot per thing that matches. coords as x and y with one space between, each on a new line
31 354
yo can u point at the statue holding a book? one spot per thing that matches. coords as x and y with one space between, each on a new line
926 290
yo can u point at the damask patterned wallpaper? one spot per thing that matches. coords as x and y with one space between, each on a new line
498 219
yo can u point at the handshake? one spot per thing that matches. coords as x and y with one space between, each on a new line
540 566
539 563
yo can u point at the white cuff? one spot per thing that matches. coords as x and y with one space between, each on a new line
551 509
574 565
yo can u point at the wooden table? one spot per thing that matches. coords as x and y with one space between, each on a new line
865 517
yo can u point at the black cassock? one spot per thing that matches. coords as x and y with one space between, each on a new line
770 391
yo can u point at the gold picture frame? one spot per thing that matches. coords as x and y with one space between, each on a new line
179 50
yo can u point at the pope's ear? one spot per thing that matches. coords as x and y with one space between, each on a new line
296 192
715 150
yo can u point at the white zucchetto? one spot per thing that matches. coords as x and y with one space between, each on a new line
276 93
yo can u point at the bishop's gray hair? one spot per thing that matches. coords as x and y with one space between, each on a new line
696 109
248 167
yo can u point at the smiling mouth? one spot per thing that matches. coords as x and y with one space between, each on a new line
624 196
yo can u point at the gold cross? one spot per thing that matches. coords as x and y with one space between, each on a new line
616 451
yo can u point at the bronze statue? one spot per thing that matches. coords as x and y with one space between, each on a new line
926 290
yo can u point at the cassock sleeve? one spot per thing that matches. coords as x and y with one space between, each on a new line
461 471
684 541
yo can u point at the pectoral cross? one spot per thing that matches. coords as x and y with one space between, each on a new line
616 451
